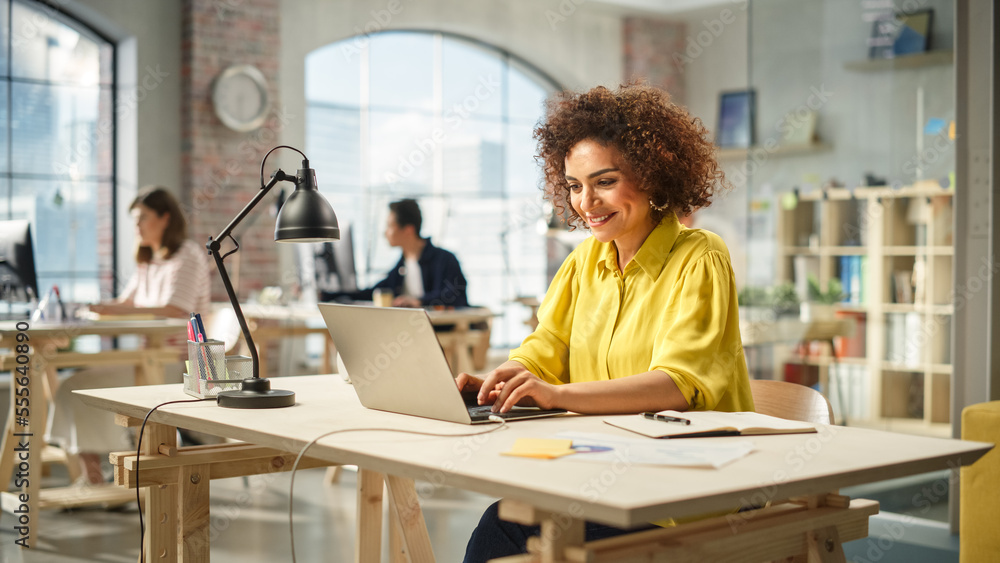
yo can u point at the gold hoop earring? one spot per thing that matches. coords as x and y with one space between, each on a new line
660 208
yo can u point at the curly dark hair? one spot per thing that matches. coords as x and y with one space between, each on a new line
670 153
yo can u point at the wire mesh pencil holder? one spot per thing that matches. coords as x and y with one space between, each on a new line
208 372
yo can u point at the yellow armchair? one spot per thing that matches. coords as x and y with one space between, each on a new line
980 496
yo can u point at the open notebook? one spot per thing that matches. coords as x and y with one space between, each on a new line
710 423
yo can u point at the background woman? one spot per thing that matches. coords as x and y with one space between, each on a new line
172 277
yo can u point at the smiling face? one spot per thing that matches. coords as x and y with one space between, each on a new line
604 193
149 226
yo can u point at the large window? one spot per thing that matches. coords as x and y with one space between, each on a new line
448 122
56 144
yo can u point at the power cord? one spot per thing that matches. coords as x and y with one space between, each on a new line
138 453
295 466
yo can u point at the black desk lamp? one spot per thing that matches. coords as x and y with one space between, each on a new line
306 216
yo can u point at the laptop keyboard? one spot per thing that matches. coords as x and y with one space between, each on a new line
483 412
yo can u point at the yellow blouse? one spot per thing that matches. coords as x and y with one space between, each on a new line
673 309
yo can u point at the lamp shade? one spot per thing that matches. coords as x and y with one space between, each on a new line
306 216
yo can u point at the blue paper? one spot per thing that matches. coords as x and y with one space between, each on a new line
935 126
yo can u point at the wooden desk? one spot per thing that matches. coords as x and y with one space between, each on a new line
46 352
273 322
560 494
464 346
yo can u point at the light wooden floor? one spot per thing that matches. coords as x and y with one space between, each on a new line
249 524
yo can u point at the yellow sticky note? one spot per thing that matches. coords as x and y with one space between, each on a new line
543 448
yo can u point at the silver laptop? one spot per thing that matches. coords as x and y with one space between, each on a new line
396 364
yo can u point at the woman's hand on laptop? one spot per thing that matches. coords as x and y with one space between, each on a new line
489 385
508 385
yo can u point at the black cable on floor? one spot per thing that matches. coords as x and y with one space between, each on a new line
138 452
295 466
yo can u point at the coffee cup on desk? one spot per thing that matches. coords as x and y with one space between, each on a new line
382 298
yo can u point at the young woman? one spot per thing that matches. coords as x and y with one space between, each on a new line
172 277
643 315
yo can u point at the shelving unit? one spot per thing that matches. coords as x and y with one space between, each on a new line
905 382
780 150
919 60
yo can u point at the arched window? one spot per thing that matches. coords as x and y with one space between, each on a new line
448 122
56 144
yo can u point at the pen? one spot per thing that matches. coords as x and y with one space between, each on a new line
200 327
665 418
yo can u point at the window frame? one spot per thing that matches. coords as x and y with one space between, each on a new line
58 13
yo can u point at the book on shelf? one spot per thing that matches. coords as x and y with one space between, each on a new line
863 272
710 423
919 279
852 278
913 340
905 339
902 286
849 391
853 346
895 337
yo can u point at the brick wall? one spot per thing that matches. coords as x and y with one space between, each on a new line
649 46
221 167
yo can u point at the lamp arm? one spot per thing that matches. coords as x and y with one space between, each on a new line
278 176
213 247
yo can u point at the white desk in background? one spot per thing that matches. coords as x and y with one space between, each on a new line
47 350
269 323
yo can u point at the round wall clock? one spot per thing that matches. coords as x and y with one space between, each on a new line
239 96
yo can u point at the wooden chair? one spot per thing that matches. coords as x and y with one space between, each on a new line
790 401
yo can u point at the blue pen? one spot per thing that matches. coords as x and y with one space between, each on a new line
201 327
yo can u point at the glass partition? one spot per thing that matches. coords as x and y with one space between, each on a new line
848 184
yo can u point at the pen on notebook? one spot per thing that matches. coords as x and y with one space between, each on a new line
665 418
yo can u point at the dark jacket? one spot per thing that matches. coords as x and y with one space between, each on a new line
444 283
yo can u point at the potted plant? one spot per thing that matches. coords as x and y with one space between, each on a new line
819 305
767 304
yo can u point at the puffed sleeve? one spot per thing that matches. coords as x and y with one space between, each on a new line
696 340
545 352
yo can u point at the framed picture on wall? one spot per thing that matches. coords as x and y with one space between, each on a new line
736 119
901 34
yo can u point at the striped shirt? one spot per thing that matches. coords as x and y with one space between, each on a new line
183 280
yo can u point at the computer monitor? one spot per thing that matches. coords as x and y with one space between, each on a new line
335 270
18 280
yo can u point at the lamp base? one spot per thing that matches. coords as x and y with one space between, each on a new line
256 393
